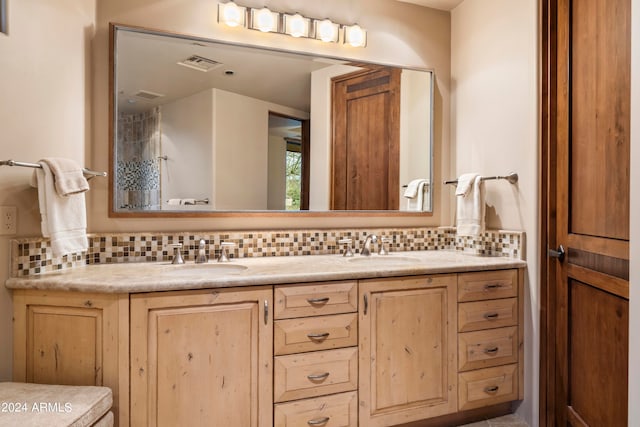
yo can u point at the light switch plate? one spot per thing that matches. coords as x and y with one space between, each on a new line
8 219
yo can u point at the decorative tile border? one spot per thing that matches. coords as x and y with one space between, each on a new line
33 255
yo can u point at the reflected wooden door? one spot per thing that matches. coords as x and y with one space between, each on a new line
366 140
588 118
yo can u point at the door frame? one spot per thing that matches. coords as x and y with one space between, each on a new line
548 91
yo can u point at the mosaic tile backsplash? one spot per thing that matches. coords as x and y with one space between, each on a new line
33 255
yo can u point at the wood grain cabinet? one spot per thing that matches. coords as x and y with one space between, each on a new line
73 338
490 339
316 355
408 349
202 358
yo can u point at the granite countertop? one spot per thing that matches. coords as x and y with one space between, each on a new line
162 276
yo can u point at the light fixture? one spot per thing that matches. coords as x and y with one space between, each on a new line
297 25
264 20
326 30
232 14
355 35
292 24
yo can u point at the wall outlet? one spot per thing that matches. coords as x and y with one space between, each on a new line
8 219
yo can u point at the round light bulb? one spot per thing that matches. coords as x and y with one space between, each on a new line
355 36
297 25
264 19
232 14
327 31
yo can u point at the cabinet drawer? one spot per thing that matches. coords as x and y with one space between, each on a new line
485 387
315 300
299 376
315 333
473 316
487 285
483 349
338 410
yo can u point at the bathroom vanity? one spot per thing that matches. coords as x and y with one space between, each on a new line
318 340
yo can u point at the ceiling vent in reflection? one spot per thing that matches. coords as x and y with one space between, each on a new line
147 95
200 63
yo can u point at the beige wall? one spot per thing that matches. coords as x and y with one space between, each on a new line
45 110
494 127
399 34
634 303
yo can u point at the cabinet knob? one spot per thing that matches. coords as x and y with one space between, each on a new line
318 421
319 337
491 389
491 316
318 377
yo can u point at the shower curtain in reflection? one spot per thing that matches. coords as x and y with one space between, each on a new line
138 163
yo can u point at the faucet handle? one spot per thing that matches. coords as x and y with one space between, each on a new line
224 247
177 254
382 250
348 252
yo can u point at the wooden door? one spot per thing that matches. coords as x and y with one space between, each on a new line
73 338
586 128
202 358
366 144
408 347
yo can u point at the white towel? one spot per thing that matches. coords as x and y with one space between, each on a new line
174 201
63 219
465 182
471 209
415 194
68 176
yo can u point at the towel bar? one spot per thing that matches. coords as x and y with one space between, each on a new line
512 178
90 173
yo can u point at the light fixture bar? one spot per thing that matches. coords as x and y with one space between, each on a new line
294 25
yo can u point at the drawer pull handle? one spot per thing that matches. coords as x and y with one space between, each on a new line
491 316
318 337
318 377
318 421
490 286
491 389
492 350
317 301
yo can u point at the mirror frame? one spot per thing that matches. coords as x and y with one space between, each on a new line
238 214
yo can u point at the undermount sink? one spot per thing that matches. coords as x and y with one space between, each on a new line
384 260
207 270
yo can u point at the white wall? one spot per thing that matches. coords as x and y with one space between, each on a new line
241 150
415 125
494 74
634 300
187 141
45 110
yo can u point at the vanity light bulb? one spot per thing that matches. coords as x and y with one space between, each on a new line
232 14
355 36
265 21
297 26
327 31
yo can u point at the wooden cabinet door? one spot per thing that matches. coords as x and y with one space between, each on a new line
202 358
71 338
408 349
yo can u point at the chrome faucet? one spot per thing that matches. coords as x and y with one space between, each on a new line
177 255
366 246
224 254
201 258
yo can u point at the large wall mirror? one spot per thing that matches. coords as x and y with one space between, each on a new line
202 127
